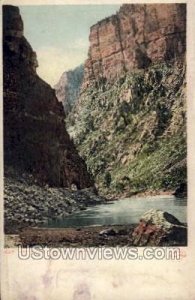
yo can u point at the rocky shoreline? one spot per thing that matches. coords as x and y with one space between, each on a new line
28 204
155 228
145 233
129 136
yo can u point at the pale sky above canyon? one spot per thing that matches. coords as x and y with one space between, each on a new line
59 35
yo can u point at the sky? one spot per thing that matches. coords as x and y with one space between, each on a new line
59 34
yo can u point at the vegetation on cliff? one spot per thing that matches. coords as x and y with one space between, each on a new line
129 123
132 133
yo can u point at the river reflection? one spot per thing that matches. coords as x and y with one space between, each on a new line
123 211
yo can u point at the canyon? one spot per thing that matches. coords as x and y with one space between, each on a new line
125 113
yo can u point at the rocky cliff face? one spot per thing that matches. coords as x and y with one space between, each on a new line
130 121
136 37
68 87
35 138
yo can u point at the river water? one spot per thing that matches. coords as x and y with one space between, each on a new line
123 211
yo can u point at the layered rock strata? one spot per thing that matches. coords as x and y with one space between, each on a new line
135 37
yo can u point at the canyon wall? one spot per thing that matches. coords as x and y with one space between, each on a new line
135 37
68 87
35 138
129 123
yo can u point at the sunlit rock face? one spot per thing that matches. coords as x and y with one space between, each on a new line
136 37
35 138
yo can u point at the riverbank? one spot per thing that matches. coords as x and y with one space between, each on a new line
131 235
140 194
26 204
145 193
96 236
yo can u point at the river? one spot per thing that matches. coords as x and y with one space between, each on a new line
123 211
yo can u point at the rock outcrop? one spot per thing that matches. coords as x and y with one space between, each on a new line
35 138
68 87
159 228
129 123
136 37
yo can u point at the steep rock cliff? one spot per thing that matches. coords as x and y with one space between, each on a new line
68 87
35 138
136 37
130 121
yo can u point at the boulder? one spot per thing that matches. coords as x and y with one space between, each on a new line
108 232
159 228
